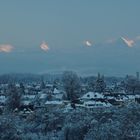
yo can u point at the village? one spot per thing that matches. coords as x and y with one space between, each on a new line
50 96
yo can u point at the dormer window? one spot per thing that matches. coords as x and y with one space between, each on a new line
88 95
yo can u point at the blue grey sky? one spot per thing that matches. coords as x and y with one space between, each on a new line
65 26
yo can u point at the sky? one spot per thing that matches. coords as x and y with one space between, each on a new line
49 36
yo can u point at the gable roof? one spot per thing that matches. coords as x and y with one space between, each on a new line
92 95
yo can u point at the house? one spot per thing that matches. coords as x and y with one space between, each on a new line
131 97
53 104
54 99
96 104
41 99
28 99
68 108
2 100
56 91
116 98
24 111
49 87
137 98
42 96
57 94
94 100
2 103
93 104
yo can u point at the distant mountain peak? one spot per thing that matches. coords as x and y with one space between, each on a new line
128 42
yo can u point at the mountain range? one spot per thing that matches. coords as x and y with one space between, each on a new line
111 58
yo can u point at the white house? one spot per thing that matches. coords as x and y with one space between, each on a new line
94 100
96 104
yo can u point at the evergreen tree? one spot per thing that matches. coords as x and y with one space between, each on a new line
100 84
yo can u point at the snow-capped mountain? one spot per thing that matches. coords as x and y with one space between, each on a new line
119 57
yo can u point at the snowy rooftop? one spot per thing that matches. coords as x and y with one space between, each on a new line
92 95
43 96
97 103
137 96
58 96
26 102
56 91
30 97
53 102
49 85
2 99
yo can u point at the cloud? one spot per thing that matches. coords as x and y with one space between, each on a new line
87 43
6 48
128 42
44 46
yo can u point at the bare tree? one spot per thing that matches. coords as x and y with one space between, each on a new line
132 85
71 83
14 98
